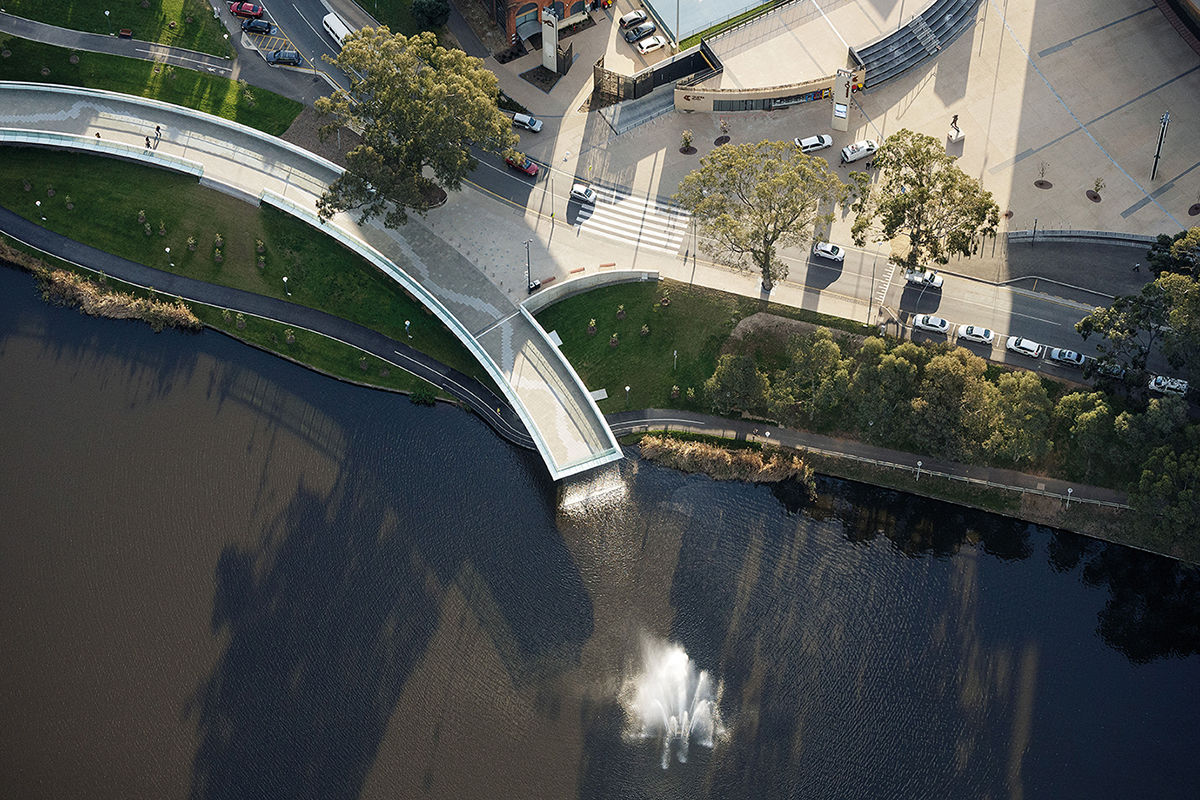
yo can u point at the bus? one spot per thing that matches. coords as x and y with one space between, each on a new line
336 28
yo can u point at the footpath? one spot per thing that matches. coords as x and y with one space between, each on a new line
750 431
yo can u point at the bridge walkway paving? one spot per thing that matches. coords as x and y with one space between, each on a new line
571 434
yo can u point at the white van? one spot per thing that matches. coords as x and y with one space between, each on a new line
336 28
854 152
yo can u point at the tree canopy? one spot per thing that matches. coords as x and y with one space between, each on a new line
419 106
430 14
1129 328
750 199
924 197
1179 253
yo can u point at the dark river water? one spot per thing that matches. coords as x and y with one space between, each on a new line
224 576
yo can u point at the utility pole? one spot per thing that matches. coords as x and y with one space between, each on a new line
1165 119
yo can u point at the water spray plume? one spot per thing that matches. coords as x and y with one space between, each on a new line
672 701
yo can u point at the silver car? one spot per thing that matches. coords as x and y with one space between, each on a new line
830 251
583 193
1067 357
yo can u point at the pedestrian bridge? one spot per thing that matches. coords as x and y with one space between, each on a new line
568 429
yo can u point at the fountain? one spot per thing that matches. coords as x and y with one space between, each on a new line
670 700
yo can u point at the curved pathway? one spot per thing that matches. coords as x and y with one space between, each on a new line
482 401
557 410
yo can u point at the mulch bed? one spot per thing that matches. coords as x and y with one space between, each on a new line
541 77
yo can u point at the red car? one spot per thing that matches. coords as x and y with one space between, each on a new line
246 10
524 165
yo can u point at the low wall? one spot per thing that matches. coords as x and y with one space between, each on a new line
1094 237
568 288
699 98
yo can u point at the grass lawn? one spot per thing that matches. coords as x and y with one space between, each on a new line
258 108
712 31
396 14
194 28
321 273
695 324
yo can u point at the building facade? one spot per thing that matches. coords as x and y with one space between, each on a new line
521 19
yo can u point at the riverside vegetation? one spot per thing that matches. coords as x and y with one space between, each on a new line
725 464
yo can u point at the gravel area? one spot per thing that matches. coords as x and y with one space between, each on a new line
303 132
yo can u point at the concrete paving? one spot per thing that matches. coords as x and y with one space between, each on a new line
570 432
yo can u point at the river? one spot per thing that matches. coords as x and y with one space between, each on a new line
225 576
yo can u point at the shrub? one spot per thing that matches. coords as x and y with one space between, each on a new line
430 14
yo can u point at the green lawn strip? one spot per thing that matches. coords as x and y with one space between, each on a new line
708 33
212 94
696 323
321 273
194 26
315 350
395 14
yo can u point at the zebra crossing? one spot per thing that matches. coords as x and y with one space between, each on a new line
648 223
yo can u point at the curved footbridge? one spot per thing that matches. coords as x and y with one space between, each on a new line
562 418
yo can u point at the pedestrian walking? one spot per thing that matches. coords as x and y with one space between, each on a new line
1137 267
157 132
97 134
147 141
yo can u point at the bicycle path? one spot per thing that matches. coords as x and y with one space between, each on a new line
493 410
748 430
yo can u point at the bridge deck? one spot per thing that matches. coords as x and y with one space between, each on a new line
571 434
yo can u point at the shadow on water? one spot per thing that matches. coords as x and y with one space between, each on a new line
1153 606
328 616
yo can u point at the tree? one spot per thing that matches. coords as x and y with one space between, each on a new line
953 413
1167 496
924 197
736 384
814 386
749 199
1179 253
1083 432
430 14
420 107
1181 339
883 389
1129 328
1022 429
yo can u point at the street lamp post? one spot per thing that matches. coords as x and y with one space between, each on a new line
918 470
675 363
1069 491
285 288
108 21
626 395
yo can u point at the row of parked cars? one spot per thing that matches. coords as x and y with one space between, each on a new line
850 153
1159 384
637 27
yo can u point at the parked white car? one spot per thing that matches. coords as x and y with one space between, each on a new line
1161 384
1026 347
932 324
527 122
924 277
830 251
811 144
649 45
974 333
853 152
1068 357
583 193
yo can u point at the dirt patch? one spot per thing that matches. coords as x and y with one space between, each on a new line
303 133
778 331
481 22
541 77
